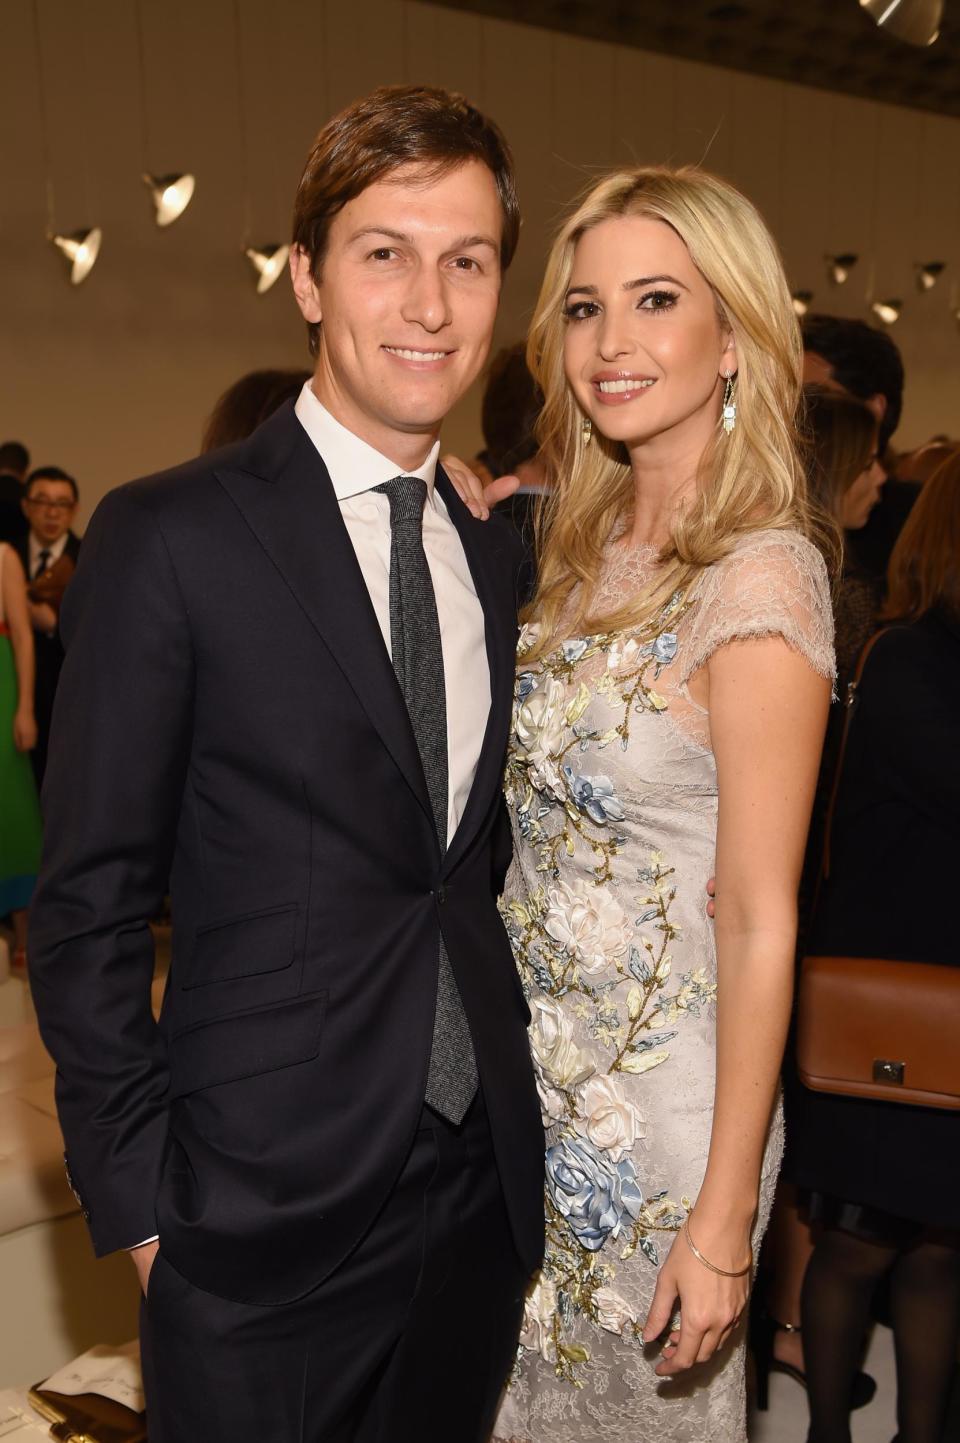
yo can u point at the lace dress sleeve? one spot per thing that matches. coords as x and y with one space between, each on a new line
773 583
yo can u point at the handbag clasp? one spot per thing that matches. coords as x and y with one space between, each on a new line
885 1071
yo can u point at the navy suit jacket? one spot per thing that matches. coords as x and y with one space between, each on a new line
228 719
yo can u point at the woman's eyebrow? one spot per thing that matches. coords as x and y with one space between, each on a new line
628 285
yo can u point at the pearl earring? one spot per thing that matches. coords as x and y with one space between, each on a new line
729 403
586 430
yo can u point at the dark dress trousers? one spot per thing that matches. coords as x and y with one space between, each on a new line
892 893
228 718
49 655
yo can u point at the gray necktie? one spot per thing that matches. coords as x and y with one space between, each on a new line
418 663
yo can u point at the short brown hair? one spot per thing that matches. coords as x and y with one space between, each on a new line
397 125
924 569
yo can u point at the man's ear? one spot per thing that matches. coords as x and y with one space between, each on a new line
304 285
877 403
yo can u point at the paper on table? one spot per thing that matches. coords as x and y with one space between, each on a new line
18 1421
111 1372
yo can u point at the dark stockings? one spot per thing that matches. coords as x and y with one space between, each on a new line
925 1302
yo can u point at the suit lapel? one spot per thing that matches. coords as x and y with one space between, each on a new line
280 485
488 569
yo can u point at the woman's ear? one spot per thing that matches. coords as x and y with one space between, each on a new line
728 358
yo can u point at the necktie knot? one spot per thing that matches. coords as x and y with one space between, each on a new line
407 495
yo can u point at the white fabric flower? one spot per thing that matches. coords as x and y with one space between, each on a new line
614 1313
539 1310
588 921
607 1116
541 723
557 1061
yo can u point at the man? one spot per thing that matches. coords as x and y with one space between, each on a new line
14 465
49 552
851 356
287 687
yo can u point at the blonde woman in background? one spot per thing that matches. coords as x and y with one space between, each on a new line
674 680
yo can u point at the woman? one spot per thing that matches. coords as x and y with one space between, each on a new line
674 680
886 1176
20 812
846 479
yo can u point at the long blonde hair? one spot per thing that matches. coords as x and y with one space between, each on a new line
749 479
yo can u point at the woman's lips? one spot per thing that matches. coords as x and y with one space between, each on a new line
619 390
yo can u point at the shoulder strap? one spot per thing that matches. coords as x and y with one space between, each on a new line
850 702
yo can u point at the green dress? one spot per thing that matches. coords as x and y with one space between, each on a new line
20 827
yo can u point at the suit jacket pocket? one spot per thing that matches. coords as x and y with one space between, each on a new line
244 946
246 1044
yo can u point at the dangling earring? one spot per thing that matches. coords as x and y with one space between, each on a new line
586 430
729 403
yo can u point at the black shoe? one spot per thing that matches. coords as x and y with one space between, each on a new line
763 1329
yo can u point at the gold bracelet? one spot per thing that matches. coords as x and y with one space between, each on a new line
724 1272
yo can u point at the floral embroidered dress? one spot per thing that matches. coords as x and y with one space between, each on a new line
612 788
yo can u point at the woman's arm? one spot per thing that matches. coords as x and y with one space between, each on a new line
768 711
21 637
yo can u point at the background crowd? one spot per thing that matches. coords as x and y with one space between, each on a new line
865 1221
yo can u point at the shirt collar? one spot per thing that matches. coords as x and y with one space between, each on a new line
55 548
353 465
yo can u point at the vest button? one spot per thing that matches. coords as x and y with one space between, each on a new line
441 894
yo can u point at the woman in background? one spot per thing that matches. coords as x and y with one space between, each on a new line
885 1177
846 478
20 831
674 679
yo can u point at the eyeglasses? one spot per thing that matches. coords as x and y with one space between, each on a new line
49 503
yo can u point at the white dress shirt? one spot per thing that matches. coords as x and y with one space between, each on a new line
355 468
54 548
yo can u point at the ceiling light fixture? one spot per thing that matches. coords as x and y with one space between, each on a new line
171 195
801 302
839 267
268 263
80 250
887 311
928 273
916 22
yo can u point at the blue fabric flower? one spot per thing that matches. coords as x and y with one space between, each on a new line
573 650
595 796
665 647
592 1193
526 682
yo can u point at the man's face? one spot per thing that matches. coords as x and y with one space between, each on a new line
49 506
407 299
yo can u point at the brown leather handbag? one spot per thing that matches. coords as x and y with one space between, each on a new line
870 1027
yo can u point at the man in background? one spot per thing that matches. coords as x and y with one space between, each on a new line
49 551
848 355
14 465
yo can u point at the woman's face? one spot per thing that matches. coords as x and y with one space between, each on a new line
644 348
862 495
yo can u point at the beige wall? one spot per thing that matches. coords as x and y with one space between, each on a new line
114 378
